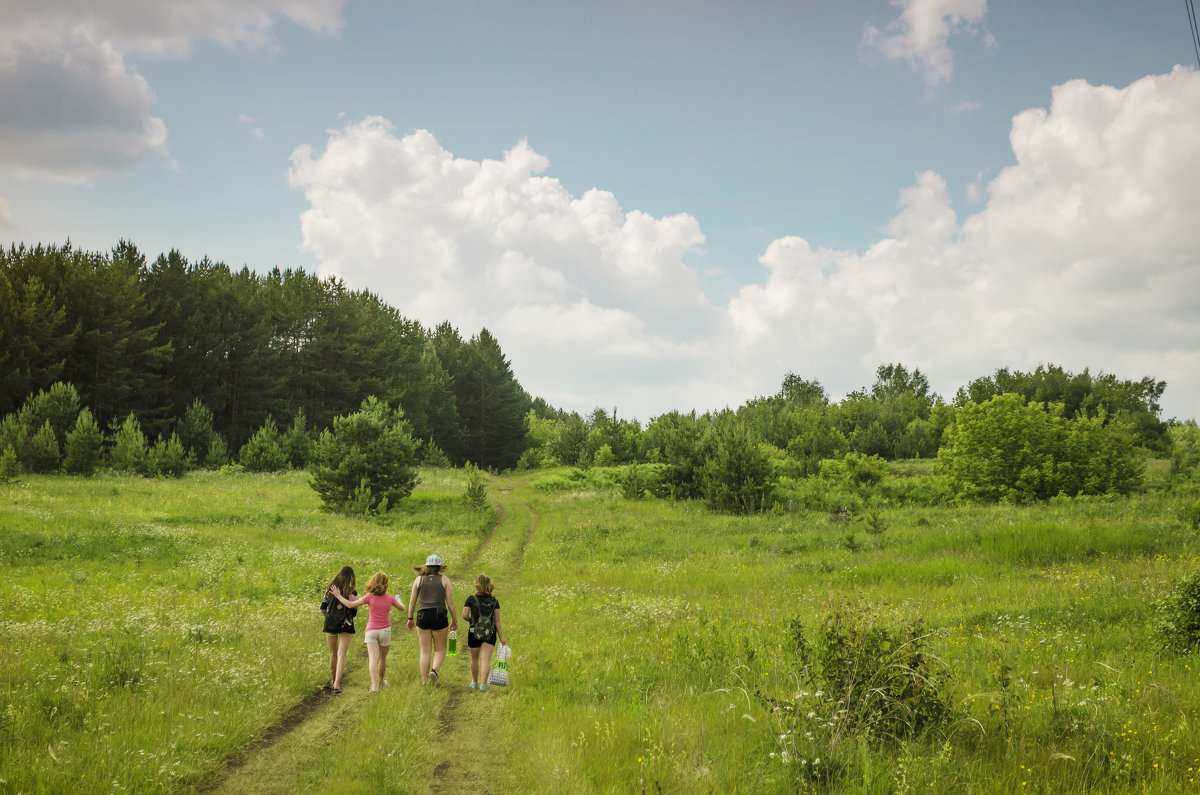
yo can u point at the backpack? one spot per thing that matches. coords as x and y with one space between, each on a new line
484 625
338 617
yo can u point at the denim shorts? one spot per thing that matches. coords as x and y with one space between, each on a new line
381 636
434 618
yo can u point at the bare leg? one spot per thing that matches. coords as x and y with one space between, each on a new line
332 641
486 653
425 638
383 651
440 638
373 664
475 666
343 644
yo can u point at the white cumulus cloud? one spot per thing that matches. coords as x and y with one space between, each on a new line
72 107
921 34
1082 253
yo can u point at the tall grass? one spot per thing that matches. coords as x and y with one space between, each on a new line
152 631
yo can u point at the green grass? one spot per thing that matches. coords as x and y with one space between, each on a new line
152 632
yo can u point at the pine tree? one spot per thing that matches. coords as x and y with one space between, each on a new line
84 445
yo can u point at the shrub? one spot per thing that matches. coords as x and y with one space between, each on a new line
168 458
218 452
264 452
85 446
298 443
195 430
476 493
738 475
58 405
128 446
41 453
10 467
1177 615
367 462
879 680
434 456
604 457
633 485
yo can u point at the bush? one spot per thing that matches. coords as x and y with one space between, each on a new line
298 443
58 406
41 453
633 485
10 467
604 457
1007 450
218 452
196 430
264 452
367 462
85 446
738 475
128 446
1177 616
168 458
434 456
476 493
878 680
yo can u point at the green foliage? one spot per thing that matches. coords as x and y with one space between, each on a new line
264 452
879 680
737 476
85 446
367 461
1185 446
41 452
475 494
1008 450
1191 514
195 430
298 443
603 457
10 466
168 458
433 456
1177 615
218 453
128 447
633 484
58 406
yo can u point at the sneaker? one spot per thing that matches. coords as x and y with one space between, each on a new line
483 688
433 677
474 685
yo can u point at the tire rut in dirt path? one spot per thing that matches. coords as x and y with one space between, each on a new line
533 520
307 709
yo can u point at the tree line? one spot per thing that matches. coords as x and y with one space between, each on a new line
149 339
183 364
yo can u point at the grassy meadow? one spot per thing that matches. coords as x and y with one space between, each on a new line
164 636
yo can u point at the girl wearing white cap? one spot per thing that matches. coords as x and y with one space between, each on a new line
433 601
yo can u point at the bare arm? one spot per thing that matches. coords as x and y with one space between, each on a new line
499 629
412 600
450 601
333 589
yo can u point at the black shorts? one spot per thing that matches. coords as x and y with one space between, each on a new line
474 642
433 618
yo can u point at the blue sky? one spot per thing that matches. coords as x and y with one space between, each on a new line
698 196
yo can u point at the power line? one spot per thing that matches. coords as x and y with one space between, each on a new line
1191 9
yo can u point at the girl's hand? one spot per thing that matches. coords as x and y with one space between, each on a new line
411 623
454 623
333 589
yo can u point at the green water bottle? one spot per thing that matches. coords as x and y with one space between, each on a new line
453 649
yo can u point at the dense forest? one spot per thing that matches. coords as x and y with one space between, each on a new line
170 344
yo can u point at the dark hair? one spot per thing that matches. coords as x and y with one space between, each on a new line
429 570
344 580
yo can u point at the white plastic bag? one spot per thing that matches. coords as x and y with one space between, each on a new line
499 674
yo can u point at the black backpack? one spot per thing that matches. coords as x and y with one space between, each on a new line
484 625
338 617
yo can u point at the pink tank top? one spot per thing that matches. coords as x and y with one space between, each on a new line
378 607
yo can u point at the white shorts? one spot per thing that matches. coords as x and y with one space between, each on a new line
381 636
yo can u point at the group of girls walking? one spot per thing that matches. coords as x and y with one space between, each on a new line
430 613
